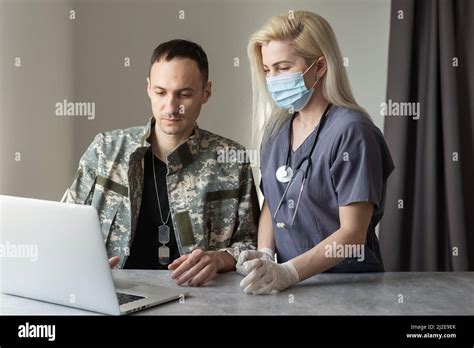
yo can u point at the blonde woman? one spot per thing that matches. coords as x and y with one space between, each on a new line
324 164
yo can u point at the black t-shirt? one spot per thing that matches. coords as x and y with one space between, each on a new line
144 249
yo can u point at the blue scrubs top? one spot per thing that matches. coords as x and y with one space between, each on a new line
350 163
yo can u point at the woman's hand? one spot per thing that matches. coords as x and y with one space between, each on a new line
266 242
266 276
247 255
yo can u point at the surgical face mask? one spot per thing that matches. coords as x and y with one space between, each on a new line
289 91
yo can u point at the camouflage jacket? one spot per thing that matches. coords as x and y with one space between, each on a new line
214 205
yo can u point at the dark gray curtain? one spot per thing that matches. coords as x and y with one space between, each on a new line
429 217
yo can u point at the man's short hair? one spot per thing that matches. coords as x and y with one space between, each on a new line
182 49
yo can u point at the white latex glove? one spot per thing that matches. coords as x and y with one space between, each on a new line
264 253
268 277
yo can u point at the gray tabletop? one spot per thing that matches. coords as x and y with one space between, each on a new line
325 294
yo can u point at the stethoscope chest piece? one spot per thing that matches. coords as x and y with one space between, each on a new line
284 174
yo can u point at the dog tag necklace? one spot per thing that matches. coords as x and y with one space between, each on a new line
163 229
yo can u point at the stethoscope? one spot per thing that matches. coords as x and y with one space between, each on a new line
284 173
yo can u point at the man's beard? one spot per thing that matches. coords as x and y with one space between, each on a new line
172 129
175 116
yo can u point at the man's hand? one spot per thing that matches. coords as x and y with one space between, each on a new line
199 267
268 277
113 261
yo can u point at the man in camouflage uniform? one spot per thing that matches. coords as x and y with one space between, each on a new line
213 205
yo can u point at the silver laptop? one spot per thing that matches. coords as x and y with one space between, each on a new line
55 252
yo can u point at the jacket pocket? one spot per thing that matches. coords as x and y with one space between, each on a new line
107 198
221 212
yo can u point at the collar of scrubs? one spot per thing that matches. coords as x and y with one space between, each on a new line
316 132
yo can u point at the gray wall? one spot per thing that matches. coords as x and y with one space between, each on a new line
41 37
83 60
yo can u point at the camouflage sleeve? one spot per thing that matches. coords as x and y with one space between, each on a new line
245 233
81 189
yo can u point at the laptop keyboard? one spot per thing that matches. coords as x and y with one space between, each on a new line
127 298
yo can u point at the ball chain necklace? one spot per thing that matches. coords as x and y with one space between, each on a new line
163 229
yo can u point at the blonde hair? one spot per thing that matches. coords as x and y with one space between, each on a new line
312 37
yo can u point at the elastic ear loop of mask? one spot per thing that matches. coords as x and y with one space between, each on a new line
314 84
317 79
